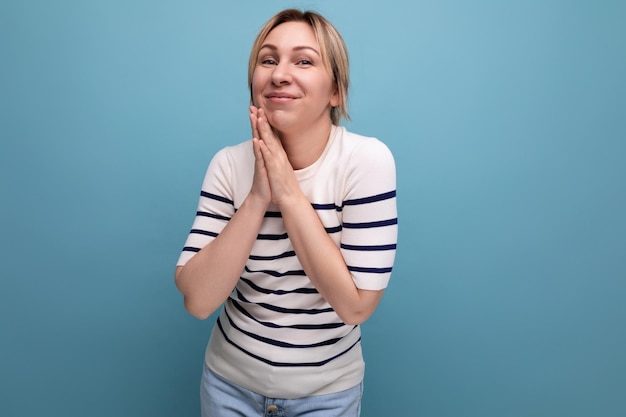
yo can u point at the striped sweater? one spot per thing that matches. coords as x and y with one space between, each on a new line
275 334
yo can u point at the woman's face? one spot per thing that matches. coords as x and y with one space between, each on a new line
290 82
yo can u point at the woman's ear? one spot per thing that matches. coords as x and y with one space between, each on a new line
334 98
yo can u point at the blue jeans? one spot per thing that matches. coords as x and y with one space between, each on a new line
221 398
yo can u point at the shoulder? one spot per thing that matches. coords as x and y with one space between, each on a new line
231 163
234 156
236 152
363 150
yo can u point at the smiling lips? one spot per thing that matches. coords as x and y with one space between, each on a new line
280 97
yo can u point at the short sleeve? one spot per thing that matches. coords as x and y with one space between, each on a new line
215 207
370 219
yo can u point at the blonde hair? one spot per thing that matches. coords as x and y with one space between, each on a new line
332 48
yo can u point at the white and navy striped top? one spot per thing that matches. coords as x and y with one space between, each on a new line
276 335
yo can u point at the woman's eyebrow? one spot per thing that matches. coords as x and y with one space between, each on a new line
295 48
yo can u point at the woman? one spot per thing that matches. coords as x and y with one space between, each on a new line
295 235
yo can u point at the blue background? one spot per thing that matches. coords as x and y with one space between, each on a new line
508 123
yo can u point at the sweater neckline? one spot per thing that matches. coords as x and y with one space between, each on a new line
311 170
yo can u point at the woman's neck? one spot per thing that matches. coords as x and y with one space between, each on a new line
304 148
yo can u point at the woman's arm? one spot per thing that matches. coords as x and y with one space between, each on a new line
320 257
324 264
209 277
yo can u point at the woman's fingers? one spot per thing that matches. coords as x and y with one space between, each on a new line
256 147
254 122
265 130
261 128
280 175
260 181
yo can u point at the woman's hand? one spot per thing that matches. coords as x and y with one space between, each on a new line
271 160
260 183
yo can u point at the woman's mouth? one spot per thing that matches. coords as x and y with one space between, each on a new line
280 97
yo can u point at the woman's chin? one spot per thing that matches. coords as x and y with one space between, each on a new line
281 123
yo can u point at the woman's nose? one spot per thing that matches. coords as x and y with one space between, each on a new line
281 74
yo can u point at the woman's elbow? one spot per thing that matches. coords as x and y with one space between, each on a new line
355 317
361 310
199 311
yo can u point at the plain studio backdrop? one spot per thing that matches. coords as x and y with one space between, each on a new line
508 123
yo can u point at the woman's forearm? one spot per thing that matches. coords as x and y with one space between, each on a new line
324 264
209 277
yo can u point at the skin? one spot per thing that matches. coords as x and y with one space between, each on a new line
290 121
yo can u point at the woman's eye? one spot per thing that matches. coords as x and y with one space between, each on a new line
268 61
305 62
